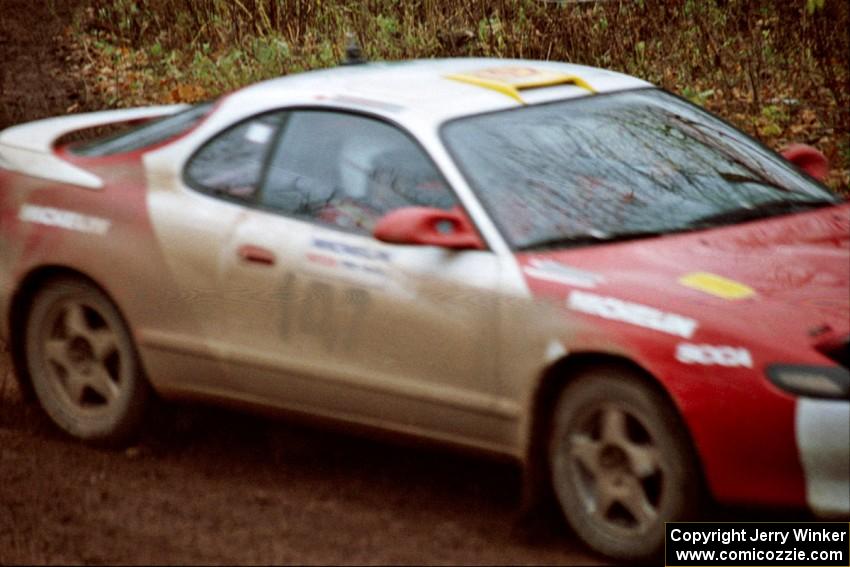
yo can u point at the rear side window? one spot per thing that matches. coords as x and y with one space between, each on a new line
231 164
148 134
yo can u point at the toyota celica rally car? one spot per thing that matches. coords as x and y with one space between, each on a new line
554 263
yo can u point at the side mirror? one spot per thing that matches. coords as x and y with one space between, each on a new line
809 159
429 226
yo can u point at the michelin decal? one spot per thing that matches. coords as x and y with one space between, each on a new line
61 218
633 313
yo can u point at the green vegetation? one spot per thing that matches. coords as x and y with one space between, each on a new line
777 69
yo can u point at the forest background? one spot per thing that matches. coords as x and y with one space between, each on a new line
779 70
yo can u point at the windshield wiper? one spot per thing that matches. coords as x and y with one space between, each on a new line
583 239
759 211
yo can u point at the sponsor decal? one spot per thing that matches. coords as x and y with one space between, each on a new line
362 268
321 260
64 219
259 133
350 249
368 102
713 355
557 272
510 74
510 80
717 286
521 77
633 313
335 258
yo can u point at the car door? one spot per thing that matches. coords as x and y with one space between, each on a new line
331 320
194 216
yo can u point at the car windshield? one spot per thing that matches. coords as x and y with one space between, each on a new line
619 166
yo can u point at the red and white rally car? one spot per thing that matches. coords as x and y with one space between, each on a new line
559 264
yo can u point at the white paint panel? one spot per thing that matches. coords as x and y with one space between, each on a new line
28 148
420 86
823 437
46 166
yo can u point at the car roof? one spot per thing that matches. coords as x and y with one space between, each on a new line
440 89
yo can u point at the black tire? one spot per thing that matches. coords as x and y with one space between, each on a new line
83 364
621 463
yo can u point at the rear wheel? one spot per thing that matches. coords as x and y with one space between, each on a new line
621 463
83 364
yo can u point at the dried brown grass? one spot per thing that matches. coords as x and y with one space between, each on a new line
775 69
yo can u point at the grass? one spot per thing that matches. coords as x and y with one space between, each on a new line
778 70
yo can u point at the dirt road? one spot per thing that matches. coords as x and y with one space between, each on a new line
36 77
208 486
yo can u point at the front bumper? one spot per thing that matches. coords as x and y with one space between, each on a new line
823 438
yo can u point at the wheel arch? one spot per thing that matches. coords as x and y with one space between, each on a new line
19 307
537 487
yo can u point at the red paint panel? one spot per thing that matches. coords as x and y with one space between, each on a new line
743 427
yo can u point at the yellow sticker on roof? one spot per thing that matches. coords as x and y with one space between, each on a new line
718 286
510 80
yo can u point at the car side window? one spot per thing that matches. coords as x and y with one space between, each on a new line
347 171
231 164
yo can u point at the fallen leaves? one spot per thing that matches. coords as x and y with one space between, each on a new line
187 93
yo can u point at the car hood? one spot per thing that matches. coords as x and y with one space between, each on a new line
779 277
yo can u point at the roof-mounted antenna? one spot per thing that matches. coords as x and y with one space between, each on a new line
353 53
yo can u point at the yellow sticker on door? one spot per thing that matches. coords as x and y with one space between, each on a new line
718 286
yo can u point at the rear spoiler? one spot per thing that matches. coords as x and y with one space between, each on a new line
29 148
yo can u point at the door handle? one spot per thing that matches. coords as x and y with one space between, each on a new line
256 254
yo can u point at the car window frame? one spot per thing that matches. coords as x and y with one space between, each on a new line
208 191
277 140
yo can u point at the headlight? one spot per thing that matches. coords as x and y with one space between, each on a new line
811 381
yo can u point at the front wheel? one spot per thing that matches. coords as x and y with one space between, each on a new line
621 463
83 364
